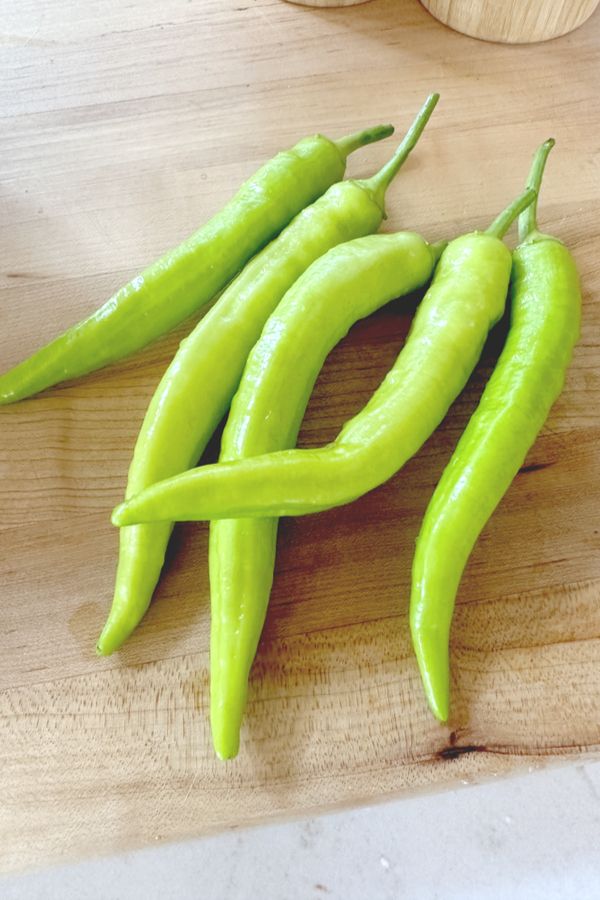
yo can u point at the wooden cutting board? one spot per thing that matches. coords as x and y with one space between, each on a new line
125 126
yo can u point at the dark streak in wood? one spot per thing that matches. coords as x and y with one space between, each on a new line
453 752
535 467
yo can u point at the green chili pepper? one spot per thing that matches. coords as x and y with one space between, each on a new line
188 277
346 284
465 299
528 378
198 386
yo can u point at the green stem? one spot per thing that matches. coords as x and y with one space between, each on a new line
352 142
528 219
502 223
380 182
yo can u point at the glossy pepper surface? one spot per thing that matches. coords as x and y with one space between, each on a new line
185 279
529 376
466 298
347 283
197 388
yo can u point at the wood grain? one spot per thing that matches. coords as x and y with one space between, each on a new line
512 21
123 127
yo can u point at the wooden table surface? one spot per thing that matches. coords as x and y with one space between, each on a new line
124 126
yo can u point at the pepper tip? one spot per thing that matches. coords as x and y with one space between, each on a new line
119 514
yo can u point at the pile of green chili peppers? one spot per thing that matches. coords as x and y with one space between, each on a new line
296 258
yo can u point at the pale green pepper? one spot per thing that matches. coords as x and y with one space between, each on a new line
466 298
346 284
197 388
529 376
185 279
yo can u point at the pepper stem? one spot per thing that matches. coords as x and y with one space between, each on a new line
352 142
502 223
380 182
528 219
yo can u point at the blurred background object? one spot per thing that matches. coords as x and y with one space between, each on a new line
512 21
328 2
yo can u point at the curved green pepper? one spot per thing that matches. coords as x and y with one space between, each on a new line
197 388
465 299
528 377
346 284
187 278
